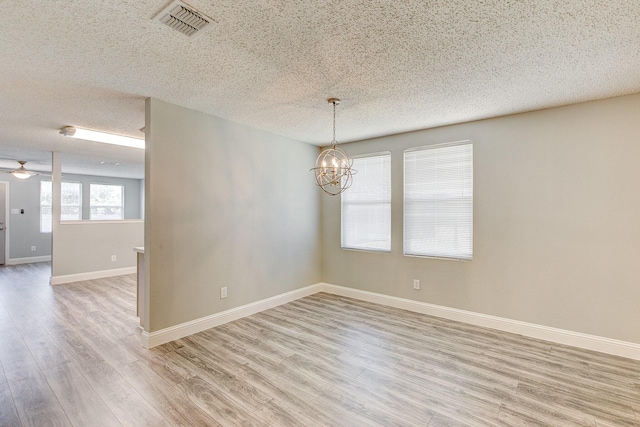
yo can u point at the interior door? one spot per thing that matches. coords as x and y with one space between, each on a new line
3 226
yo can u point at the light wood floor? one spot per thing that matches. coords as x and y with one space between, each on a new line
70 355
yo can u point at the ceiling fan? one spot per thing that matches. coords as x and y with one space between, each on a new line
21 172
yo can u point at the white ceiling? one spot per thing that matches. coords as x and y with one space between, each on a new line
397 65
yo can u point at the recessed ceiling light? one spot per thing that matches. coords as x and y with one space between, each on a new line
104 137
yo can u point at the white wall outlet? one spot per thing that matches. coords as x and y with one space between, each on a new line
15 211
33 248
223 292
416 284
113 258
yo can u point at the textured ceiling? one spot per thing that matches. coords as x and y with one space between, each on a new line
397 66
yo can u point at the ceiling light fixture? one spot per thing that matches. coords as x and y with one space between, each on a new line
22 173
107 138
333 166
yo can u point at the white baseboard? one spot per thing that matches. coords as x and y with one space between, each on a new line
152 339
576 339
79 277
560 336
28 260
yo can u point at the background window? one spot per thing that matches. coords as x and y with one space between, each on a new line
438 201
71 203
106 202
366 205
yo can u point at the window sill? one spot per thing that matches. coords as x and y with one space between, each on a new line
439 257
97 221
375 251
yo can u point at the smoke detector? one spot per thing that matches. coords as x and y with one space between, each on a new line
183 18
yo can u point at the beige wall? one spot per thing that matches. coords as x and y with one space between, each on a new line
556 222
226 205
84 247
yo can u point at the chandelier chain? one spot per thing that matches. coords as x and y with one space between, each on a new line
334 124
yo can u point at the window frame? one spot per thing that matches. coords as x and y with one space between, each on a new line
460 255
343 244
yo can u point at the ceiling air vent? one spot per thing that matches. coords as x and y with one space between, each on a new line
183 18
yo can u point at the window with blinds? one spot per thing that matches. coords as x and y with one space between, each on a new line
366 205
438 201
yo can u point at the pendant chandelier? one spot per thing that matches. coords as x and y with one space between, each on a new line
333 166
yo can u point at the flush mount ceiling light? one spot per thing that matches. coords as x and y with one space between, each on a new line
21 172
333 166
104 137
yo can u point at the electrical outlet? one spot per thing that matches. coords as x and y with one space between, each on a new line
33 248
15 211
416 284
223 292
113 258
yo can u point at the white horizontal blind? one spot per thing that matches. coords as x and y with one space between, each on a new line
438 201
366 205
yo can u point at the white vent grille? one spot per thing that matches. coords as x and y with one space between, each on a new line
184 19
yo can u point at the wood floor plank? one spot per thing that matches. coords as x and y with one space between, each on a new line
172 404
456 405
604 408
370 412
401 407
220 406
440 420
225 381
35 402
45 351
107 348
14 353
274 413
533 411
26 322
80 402
8 412
91 363
129 407
154 360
